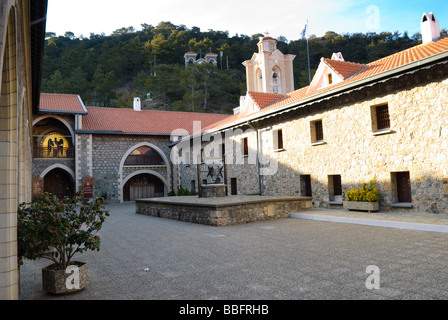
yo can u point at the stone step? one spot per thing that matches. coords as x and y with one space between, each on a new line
372 222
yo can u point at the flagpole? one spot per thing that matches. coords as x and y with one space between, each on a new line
308 52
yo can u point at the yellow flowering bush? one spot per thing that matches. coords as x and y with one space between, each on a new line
368 193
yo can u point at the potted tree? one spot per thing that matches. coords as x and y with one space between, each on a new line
364 199
57 230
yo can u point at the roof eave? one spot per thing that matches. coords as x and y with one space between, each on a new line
118 132
46 111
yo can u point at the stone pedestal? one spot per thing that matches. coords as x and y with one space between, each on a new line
213 190
222 211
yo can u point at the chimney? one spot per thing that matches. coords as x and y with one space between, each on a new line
337 56
137 104
430 28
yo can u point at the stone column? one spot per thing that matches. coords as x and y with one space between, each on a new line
8 161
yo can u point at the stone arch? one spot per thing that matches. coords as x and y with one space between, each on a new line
60 166
137 183
155 148
152 172
66 124
59 180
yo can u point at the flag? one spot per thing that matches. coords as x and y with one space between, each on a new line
304 31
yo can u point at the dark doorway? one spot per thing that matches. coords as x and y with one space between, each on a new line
335 187
144 185
233 187
305 185
59 182
403 187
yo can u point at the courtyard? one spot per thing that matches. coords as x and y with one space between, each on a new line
150 258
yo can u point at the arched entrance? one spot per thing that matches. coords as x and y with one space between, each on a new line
144 158
59 182
143 185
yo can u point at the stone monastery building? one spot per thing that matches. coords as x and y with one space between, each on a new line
123 153
386 120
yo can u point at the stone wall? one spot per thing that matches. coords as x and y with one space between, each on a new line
233 210
105 155
40 165
83 158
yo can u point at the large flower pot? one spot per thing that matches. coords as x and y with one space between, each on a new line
361 206
70 280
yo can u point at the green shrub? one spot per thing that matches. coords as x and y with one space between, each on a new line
368 193
181 191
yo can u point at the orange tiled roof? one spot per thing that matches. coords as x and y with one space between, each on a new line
344 68
263 99
61 103
144 122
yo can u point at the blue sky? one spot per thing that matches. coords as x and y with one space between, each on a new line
279 18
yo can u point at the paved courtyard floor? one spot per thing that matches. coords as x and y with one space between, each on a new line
151 258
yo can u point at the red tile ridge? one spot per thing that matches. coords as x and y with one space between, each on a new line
344 69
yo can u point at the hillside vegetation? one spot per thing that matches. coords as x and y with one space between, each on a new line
111 70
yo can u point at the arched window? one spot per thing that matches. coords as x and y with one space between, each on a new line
144 156
276 80
259 81
54 145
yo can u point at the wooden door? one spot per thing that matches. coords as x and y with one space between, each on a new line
305 185
233 186
143 186
403 187
137 191
58 182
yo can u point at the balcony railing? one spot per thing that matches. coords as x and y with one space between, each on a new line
51 153
143 159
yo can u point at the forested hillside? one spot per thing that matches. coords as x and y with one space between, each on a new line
111 70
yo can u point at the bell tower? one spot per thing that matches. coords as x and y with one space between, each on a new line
190 58
269 70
